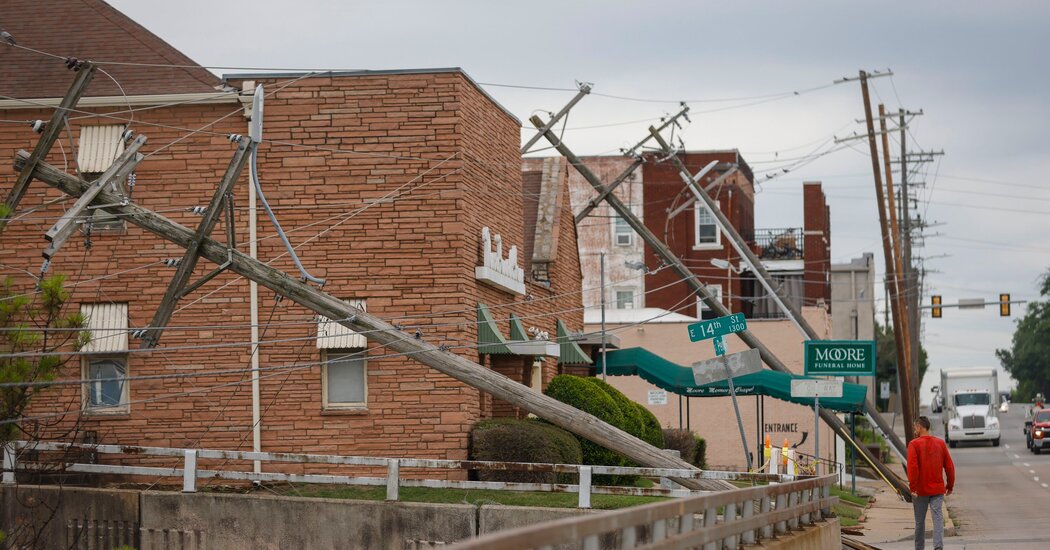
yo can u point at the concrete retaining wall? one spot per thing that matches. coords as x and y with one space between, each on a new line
107 518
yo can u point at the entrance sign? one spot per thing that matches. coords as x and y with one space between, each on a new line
840 357
657 397
816 388
712 370
705 330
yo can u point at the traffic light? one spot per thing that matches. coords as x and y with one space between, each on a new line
936 311
1004 305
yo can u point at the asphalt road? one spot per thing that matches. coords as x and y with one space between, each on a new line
1001 493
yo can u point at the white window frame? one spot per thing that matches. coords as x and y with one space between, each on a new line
89 386
344 405
618 224
698 207
616 299
701 307
91 158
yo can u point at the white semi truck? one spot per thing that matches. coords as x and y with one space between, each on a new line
971 405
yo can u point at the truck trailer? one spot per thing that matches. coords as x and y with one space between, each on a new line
971 405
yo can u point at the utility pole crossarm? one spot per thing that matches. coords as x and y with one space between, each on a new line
176 289
383 333
49 136
67 224
585 89
593 203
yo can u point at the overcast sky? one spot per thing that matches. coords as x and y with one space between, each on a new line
977 69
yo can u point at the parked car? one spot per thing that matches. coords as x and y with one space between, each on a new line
1039 432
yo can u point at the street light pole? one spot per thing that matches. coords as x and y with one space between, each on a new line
601 266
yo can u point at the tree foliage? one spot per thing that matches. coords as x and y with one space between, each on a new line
886 354
1028 359
33 326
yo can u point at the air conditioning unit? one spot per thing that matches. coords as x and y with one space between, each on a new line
624 239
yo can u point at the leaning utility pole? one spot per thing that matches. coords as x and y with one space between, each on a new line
378 330
903 377
914 293
710 301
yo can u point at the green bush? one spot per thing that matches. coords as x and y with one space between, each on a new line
579 393
651 431
682 441
529 440
700 453
632 419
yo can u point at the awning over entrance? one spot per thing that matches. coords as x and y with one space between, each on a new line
678 379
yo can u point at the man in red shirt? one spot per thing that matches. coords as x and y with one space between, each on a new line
927 458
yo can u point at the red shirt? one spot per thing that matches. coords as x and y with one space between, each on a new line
927 457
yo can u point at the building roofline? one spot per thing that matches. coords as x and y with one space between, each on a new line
369 72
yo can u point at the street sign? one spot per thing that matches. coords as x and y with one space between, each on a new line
884 390
816 388
705 330
712 370
657 397
720 345
840 357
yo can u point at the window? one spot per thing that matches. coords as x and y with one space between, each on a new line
704 312
106 361
622 232
105 391
707 232
624 299
98 147
345 379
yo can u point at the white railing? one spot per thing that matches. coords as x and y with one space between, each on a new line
13 461
748 516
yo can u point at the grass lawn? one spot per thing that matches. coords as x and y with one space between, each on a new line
472 496
848 497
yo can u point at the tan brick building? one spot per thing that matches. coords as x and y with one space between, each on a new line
383 181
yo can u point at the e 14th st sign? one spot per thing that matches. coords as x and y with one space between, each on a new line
840 357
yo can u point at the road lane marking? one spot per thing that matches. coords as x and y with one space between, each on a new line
1018 456
1044 485
1031 471
1026 464
1007 445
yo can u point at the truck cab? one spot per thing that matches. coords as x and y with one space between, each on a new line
972 418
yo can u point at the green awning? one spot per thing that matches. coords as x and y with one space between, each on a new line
490 340
678 379
517 329
571 353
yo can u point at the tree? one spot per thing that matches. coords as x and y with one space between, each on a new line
1028 358
33 326
886 355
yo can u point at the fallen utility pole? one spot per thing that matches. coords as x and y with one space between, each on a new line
891 283
379 331
585 89
710 301
49 135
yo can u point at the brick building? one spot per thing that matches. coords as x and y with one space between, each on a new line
402 189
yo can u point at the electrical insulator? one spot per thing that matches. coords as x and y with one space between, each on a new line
38 126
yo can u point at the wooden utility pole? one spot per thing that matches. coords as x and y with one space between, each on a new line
710 301
891 281
901 301
379 331
49 135
914 292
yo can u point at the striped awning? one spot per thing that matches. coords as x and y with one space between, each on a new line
108 325
332 335
571 353
99 146
490 340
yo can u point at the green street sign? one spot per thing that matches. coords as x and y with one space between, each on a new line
705 330
840 357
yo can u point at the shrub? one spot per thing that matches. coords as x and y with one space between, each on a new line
590 398
651 431
632 419
529 440
700 453
682 441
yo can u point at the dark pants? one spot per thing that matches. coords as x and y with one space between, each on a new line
920 504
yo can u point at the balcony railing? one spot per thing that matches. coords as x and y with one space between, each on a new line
784 243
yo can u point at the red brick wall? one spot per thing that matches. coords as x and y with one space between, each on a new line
817 250
664 191
450 157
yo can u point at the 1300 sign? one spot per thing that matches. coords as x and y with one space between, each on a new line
705 330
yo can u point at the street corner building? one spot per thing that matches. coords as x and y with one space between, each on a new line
403 190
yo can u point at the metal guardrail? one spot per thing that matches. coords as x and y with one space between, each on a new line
190 472
786 243
748 516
